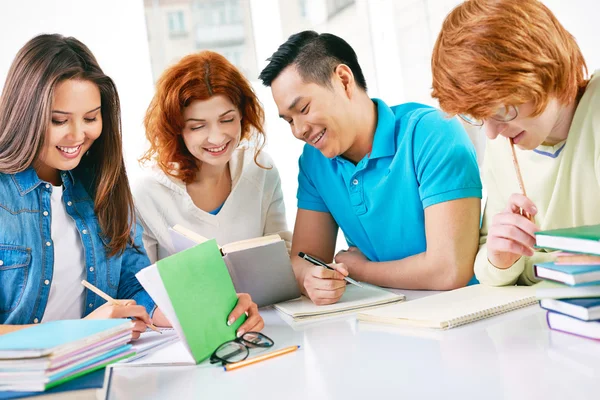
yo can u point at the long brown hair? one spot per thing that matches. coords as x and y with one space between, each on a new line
26 112
197 76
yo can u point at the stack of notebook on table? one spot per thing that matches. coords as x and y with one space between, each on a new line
43 356
571 293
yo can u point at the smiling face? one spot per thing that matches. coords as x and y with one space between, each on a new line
75 124
212 130
317 114
528 132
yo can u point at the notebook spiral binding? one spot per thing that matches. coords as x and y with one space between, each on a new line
490 312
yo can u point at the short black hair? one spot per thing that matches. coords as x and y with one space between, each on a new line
316 56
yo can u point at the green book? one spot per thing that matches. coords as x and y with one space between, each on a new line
581 239
202 295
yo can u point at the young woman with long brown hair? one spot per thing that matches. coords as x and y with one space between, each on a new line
66 210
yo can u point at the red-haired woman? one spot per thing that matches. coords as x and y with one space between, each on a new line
205 127
511 67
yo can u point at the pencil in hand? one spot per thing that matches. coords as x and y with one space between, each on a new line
112 301
519 178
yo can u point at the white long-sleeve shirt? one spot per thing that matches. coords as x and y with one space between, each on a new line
254 207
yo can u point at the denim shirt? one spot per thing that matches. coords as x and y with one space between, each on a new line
27 251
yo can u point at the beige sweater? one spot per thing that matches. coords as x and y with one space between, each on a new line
254 207
563 183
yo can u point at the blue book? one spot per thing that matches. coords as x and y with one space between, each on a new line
584 309
572 275
57 337
94 380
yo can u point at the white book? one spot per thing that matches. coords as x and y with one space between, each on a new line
151 341
453 308
574 326
355 298
554 290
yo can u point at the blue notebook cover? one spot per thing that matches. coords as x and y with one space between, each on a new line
573 270
94 380
585 303
47 336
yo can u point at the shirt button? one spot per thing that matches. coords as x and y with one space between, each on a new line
47 186
46 282
69 203
91 269
355 182
1 262
48 244
90 305
36 320
45 213
84 231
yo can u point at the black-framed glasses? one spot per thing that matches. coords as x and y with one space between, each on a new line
504 114
238 349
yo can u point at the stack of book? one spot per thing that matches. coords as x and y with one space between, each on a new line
571 293
43 356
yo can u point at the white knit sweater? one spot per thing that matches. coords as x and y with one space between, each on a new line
253 208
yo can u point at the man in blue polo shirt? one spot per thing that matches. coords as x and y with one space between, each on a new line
401 182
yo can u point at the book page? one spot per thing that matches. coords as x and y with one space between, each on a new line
152 283
190 234
250 243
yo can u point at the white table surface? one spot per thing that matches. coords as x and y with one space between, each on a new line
511 356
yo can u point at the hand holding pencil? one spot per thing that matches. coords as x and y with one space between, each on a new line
121 309
511 235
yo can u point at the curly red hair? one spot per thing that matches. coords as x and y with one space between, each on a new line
197 76
504 52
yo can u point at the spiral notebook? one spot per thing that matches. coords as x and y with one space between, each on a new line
454 308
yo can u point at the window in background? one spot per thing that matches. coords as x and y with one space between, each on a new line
224 26
336 6
176 23
303 8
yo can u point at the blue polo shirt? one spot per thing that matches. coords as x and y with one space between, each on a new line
419 158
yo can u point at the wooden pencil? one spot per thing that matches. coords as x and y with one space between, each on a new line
519 177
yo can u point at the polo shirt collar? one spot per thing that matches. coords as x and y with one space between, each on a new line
384 140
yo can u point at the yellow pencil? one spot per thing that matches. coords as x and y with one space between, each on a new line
519 177
112 301
232 366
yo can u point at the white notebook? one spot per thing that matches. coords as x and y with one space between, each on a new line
453 308
354 298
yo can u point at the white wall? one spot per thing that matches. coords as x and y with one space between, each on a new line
114 30
580 17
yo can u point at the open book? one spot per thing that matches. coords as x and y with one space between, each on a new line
194 291
453 308
260 266
354 298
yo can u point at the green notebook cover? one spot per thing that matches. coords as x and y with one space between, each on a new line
202 293
588 232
